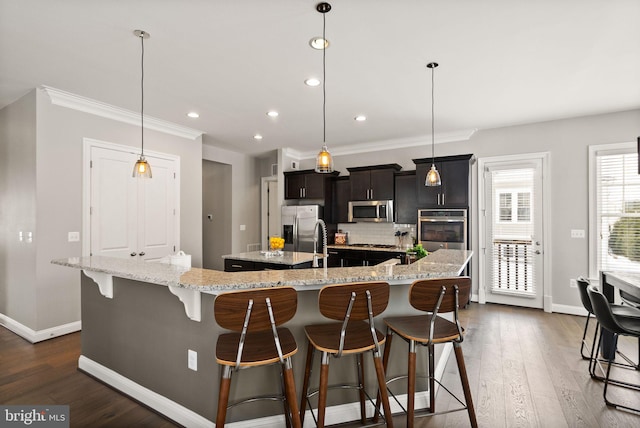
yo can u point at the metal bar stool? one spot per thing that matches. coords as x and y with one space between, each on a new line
355 305
251 315
434 296
617 326
618 310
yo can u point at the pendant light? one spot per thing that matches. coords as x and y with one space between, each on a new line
433 176
142 167
324 161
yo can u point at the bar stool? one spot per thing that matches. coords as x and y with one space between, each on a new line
251 315
434 296
618 310
353 305
617 326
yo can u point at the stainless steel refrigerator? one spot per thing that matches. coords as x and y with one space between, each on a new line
298 224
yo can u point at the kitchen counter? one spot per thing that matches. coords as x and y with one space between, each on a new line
441 263
290 258
383 248
136 337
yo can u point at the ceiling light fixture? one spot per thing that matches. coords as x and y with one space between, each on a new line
272 113
142 167
360 118
433 176
193 115
324 161
257 137
312 81
320 42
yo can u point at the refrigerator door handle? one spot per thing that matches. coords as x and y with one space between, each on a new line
296 238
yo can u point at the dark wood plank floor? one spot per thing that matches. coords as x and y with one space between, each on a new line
524 367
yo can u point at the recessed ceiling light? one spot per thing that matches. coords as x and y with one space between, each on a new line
360 118
193 115
272 113
312 81
319 43
257 137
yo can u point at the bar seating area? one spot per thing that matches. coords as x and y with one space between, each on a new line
257 338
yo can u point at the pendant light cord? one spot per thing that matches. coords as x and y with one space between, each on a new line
324 80
142 95
433 133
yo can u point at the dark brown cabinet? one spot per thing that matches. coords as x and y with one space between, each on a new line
405 203
354 258
372 182
341 196
236 265
307 184
454 191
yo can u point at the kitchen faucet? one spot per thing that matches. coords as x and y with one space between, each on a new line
325 254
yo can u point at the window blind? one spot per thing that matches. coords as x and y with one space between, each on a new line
618 211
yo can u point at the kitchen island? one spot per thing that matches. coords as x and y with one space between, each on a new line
267 260
140 319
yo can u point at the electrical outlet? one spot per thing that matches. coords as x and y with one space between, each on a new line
573 283
243 227
73 236
192 360
577 233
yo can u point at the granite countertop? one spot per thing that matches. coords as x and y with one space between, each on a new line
290 258
441 263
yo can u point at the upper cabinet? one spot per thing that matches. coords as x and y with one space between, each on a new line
454 191
405 203
307 184
372 182
341 195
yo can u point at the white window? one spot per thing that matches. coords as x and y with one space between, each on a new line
614 208
514 201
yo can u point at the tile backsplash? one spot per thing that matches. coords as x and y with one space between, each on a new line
378 233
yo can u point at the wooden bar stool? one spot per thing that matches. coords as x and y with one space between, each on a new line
355 305
434 296
253 316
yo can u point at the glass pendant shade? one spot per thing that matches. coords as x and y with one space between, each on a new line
142 168
324 161
433 177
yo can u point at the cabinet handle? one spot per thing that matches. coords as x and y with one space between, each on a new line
304 192
370 193
142 253
443 199
438 198
236 266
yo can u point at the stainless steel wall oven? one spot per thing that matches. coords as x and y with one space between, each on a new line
442 228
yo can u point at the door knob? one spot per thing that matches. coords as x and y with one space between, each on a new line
133 254
141 253
538 252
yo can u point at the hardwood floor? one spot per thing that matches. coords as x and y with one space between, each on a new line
524 369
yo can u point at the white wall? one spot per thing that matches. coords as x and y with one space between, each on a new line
56 194
567 142
18 210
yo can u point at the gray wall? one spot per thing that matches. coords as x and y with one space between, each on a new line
216 201
18 210
56 202
567 141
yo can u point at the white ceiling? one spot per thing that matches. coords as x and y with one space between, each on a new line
502 62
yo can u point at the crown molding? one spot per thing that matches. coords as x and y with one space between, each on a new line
97 108
376 146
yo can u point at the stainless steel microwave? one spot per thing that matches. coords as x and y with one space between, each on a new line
371 211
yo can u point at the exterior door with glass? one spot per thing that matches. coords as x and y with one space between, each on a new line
512 245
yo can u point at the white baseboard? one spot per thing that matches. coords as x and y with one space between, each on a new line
34 336
159 403
569 310
188 418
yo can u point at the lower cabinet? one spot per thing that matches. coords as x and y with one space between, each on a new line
233 265
354 258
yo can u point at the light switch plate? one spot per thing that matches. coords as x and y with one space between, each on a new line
73 236
577 233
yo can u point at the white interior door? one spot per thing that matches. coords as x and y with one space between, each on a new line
513 244
131 217
157 211
113 203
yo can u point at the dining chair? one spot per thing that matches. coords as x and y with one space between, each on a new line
617 326
354 305
435 297
256 339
